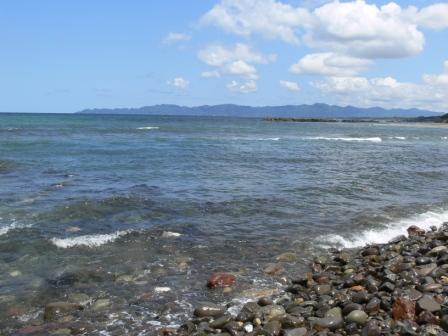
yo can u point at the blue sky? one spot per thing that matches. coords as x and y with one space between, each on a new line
64 56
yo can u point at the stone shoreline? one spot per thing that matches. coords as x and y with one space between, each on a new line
398 288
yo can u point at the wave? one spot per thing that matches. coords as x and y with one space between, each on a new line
386 234
267 139
398 138
372 139
13 226
93 240
148 128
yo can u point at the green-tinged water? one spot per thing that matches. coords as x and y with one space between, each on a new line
139 210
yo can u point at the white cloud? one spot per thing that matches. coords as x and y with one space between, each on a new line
179 83
290 86
243 69
272 19
329 64
364 30
441 79
245 87
434 16
388 92
173 38
353 28
234 60
219 55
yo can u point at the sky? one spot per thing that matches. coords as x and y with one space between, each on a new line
65 56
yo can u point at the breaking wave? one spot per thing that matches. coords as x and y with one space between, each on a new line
385 234
93 240
372 139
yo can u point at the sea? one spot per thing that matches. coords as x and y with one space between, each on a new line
133 213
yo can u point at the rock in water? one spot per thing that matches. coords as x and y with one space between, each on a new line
55 310
221 279
415 231
209 309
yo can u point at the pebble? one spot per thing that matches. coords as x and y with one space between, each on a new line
390 289
209 309
428 303
357 316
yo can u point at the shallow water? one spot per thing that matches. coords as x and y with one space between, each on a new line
84 202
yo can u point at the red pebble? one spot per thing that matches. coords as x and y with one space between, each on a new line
220 280
403 309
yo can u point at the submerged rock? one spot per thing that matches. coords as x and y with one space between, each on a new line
55 310
221 279
209 309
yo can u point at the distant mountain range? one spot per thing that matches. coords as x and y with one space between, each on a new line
286 111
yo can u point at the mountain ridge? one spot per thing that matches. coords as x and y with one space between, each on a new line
318 110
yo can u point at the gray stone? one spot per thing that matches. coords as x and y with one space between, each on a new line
209 309
295 332
272 312
428 303
357 316
331 323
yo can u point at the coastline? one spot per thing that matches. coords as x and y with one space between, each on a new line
397 288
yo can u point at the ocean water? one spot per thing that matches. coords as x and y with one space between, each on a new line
140 210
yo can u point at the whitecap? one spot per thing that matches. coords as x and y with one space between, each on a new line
372 139
398 138
386 233
93 240
169 234
13 226
268 139
148 128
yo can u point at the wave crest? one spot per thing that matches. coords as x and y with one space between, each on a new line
372 139
386 234
148 128
93 240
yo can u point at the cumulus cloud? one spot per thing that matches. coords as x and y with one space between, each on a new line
269 18
179 83
364 30
329 64
234 60
432 93
219 55
353 28
433 17
242 87
290 86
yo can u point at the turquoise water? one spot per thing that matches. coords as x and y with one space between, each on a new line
87 202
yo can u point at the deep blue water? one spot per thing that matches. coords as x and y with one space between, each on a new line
83 192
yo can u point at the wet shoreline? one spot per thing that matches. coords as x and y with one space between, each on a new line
398 288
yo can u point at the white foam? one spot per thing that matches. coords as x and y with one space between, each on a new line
162 289
169 234
373 139
385 234
268 139
444 138
13 226
148 128
398 138
88 240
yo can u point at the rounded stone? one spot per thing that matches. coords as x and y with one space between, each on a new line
357 316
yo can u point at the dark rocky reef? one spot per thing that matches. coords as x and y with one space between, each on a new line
399 288
359 120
